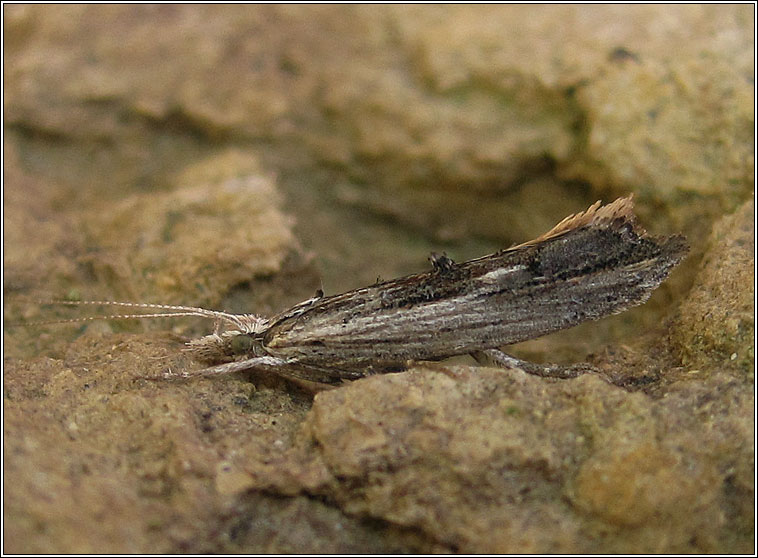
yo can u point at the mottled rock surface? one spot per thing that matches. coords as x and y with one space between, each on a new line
240 157
716 323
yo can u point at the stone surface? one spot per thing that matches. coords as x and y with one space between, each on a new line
241 157
716 323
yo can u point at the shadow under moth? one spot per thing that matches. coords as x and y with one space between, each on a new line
590 265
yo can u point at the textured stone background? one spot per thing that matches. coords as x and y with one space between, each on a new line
240 157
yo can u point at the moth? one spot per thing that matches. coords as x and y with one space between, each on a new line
590 265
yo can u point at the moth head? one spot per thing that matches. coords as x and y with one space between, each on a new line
228 346
241 344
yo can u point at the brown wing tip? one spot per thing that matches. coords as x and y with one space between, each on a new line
619 211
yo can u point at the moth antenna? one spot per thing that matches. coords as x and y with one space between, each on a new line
108 317
172 310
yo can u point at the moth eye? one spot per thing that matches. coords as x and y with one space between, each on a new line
241 344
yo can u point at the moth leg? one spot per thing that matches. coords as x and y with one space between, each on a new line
498 357
268 363
310 378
